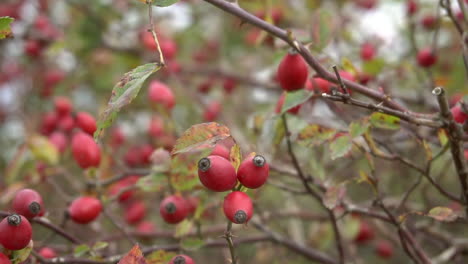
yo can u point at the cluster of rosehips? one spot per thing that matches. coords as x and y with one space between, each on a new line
365 234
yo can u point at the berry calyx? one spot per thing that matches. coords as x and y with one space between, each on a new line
181 259
238 207
292 72
28 203
253 172
15 232
173 209
85 209
85 150
216 173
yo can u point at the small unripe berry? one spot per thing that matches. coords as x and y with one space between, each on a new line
181 259
135 212
47 253
384 249
84 209
86 122
221 150
85 150
292 72
253 172
173 209
217 174
365 233
4 259
28 203
15 232
426 58
238 207
160 93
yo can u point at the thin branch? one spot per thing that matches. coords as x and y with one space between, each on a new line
228 237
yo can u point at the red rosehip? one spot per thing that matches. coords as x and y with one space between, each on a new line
279 105
222 151
173 209
429 21
367 52
32 48
146 227
84 209
148 40
66 123
205 87
411 7
426 58
28 203
347 76
48 123
212 111
192 204
365 233
238 207
47 253
253 172
366 4
135 212
59 140
4 259
458 115
53 77
63 106
319 84
292 72
133 157
156 127
145 153
86 122
15 232
168 48
181 259
384 249
217 173
229 85
85 151
466 154
117 137
159 93
118 187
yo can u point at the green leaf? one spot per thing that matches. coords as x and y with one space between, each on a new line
5 28
160 257
164 3
184 172
333 196
314 135
19 256
123 94
192 244
356 129
295 98
201 136
385 121
81 250
100 245
279 132
183 228
235 156
350 227
444 214
322 29
340 146
43 150
442 135
374 66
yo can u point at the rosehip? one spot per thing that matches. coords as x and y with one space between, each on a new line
4 259
365 233
47 253
66 123
292 72
212 111
411 7
84 209
53 77
366 4
426 58
48 123
192 204
429 21
135 212
32 48
458 115
181 259
63 105
222 151
279 105
173 209
156 127
86 122
348 76
216 173
85 151
238 207
59 140
27 203
122 184
15 232
253 172
117 137
159 93
206 86
229 85
367 52
384 249
319 84
168 48
146 227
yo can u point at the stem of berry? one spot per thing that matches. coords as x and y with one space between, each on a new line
155 37
228 236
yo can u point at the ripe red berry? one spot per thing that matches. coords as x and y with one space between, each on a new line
347 76
292 72
238 207
318 84
279 105
118 187
85 151
222 151
173 209
156 127
47 253
229 85
4 259
146 227
84 209
365 233
168 48
66 123
135 212
48 123
253 172
192 204
466 154
217 173
159 93
59 140
63 106
117 137
367 52
53 77
28 203
429 21
458 115
411 7
426 58
32 48
205 87
212 111
86 122
15 232
366 4
181 259
384 249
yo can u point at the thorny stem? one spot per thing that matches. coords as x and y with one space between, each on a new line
228 236
155 37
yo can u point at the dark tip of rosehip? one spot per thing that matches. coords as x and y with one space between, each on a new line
204 164
240 217
35 208
259 161
14 220
179 260
171 208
